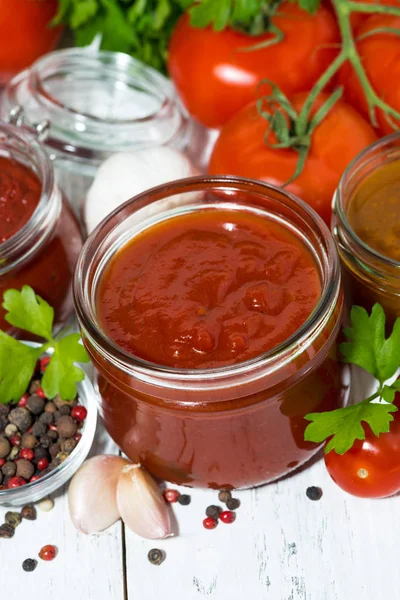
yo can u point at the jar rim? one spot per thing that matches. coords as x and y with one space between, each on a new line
79 132
362 159
284 352
14 142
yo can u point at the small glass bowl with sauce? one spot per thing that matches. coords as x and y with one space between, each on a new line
210 308
86 104
40 238
366 226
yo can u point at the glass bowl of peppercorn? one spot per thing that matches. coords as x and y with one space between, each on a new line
43 441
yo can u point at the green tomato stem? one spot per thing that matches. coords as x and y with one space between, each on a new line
362 7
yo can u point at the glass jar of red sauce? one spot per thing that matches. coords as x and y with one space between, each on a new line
366 225
40 238
210 308
87 104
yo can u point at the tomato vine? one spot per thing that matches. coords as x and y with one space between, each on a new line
296 130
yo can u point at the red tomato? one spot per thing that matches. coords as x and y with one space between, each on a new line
241 150
371 468
358 18
380 55
25 33
216 76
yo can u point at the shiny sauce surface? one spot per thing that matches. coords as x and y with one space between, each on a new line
208 289
20 191
374 211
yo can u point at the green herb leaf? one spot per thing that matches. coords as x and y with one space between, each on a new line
344 425
17 364
29 312
368 347
62 375
17 360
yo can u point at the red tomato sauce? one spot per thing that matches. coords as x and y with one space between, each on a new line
208 289
20 191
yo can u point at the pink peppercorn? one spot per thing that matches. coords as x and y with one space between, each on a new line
26 453
15 440
48 552
43 363
227 516
171 495
42 464
41 393
34 478
15 482
79 413
23 400
210 523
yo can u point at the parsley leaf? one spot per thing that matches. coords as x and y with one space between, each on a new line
30 312
17 363
61 374
368 346
143 28
344 425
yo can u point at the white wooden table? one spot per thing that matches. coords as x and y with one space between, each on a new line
282 546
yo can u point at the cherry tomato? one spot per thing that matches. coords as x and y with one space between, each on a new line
25 31
380 55
241 150
371 468
216 74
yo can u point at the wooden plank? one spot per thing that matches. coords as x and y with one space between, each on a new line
282 546
87 567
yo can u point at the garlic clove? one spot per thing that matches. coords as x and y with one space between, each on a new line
141 504
92 493
126 174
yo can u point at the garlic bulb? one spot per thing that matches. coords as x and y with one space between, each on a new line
141 504
92 493
127 174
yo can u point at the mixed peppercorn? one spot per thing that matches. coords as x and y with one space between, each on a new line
37 434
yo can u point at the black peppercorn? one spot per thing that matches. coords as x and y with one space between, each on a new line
40 452
25 469
66 427
28 512
314 493
213 511
29 565
50 407
13 519
6 531
184 499
156 556
65 409
21 418
68 445
35 404
232 503
46 441
4 409
9 468
5 447
39 429
54 450
47 418
224 495
3 422
29 441
52 434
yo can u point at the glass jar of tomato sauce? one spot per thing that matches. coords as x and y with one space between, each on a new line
366 225
237 339
86 104
40 238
